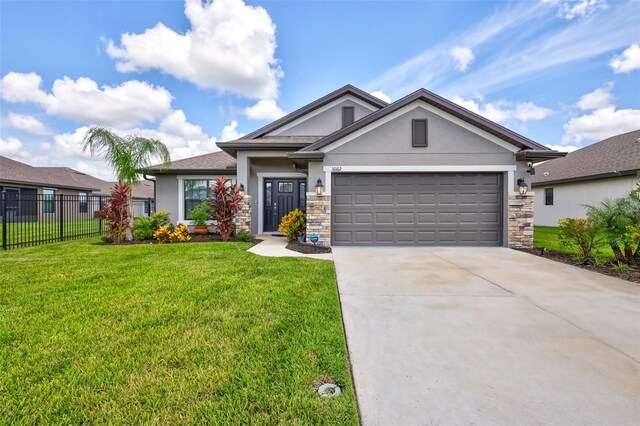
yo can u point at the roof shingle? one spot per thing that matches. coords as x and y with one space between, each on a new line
219 160
617 155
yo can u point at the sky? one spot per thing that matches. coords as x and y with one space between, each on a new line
189 73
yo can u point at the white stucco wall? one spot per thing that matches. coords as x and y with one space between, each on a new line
569 198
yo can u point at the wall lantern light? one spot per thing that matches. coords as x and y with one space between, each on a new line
319 187
241 190
522 186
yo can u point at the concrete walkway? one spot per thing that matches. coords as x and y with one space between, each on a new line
276 247
488 336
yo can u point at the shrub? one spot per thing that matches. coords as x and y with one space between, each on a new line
245 236
162 235
618 221
293 225
200 213
160 219
116 212
225 204
180 234
581 234
168 234
143 228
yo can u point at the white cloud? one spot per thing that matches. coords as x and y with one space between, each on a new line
628 61
128 104
27 123
463 57
381 95
264 110
229 47
564 148
230 132
601 124
580 9
502 111
599 98
11 147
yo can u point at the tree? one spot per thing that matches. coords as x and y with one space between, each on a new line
129 156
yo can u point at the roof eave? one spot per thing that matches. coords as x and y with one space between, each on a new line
537 156
586 178
232 148
229 171
47 185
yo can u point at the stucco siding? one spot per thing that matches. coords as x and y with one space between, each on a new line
569 198
167 195
325 122
390 144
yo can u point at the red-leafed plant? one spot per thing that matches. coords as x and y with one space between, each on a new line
116 212
225 202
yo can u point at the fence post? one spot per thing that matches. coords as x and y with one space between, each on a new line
61 210
100 203
3 206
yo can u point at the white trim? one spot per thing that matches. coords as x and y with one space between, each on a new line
419 168
421 104
320 110
261 177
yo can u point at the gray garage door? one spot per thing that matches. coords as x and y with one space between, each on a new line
417 209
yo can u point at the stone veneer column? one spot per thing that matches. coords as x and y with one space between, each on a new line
319 218
243 217
520 231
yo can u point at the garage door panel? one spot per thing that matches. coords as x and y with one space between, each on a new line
417 209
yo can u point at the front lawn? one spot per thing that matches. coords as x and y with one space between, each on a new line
168 334
547 237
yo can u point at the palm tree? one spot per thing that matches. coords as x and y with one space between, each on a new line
129 156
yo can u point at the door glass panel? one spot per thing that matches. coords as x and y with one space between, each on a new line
284 187
303 195
268 193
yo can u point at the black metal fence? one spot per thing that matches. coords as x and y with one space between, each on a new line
33 219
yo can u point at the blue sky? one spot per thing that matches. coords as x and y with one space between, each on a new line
564 73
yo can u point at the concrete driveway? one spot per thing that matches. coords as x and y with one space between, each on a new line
488 336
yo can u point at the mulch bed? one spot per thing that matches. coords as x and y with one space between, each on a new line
307 249
632 275
194 239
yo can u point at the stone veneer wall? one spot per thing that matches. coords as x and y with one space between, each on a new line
319 218
520 231
243 217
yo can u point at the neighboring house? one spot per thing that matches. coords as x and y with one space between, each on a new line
419 171
606 169
24 184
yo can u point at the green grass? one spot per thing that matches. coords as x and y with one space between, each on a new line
168 334
48 230
547 236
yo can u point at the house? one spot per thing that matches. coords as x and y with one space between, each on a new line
419 171
26 185
606 169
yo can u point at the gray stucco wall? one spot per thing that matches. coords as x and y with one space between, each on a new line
569 198
390 144
167 195
326 122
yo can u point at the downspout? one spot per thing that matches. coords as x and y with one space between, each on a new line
154 192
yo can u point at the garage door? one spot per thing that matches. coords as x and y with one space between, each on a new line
417 209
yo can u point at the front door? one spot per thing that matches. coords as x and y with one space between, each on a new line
281 196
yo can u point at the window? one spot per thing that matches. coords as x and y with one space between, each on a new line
285 187
195 190
48 197
348 115
82 202
419 133
548 196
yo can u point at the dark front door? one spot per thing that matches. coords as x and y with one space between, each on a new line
280 197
